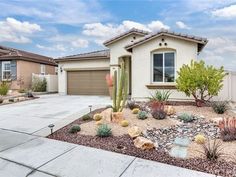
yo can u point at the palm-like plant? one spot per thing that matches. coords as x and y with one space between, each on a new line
161 96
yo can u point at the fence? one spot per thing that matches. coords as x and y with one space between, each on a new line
228 91
52 81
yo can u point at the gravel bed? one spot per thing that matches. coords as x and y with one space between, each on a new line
165 137
124 144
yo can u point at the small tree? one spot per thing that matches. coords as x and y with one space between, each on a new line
200 80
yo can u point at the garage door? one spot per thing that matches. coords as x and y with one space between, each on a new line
90 82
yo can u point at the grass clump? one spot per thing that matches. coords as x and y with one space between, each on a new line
220 106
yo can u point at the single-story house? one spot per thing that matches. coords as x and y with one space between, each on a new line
17 66
151 59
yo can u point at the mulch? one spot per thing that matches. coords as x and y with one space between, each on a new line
124 144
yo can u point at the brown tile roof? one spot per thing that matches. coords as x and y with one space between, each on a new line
100 54
120 36
15 54
201 41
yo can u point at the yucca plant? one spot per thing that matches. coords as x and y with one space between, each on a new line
212 150
228 129
220 106
161 96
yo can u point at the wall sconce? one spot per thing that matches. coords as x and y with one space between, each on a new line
61 70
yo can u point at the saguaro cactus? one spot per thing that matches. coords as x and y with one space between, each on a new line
120 90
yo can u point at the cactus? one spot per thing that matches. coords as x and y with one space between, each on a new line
120 90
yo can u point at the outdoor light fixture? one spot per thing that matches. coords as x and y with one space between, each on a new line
51 127
90 108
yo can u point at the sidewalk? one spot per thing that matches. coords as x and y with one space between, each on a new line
24 155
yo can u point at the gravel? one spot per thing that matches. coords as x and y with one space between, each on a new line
124 144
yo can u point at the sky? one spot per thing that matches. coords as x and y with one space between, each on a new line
65 27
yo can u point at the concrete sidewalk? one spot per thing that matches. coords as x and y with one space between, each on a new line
24 155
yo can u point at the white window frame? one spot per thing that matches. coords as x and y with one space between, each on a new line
152 65
42 69
4 70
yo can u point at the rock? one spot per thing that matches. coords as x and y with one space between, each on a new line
170 110
117 117
106 114
143 143
134 132
217 120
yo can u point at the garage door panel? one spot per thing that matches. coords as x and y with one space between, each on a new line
87 82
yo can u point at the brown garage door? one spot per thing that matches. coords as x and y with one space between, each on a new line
87 82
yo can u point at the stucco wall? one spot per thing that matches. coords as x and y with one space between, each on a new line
25 70
141 63
77 65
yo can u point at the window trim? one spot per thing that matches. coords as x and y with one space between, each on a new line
3 69
163 65
42 67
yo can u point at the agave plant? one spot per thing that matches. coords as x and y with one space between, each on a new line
161 96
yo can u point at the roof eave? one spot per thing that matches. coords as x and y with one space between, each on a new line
82 58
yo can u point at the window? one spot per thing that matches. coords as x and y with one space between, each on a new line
164 67
6 70
42 69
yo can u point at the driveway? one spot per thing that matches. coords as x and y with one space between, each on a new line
33 117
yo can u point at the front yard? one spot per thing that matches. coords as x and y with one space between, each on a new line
162 133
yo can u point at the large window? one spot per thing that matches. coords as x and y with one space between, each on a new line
6 70
164 67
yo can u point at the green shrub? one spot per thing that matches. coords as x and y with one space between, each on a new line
161 96
4 87
142 115
104 131
39 85
185 117
220 106
75 128
201 81
86 117
158 114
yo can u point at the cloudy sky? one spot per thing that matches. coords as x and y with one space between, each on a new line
58 28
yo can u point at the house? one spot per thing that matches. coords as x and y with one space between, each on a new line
17 66
151 60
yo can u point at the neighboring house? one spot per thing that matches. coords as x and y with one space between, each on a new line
17 66
152 61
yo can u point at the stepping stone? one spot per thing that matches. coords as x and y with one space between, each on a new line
180 148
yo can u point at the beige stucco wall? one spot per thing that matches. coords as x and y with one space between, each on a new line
25 70
78 65
142 63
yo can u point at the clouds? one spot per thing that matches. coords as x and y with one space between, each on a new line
182 25
226 12
101 31
70 12
12 30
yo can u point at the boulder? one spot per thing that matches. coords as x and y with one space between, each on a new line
106 114
134 132
170 110
143 143
117 117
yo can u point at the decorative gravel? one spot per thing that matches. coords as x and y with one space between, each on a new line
124 144
165 137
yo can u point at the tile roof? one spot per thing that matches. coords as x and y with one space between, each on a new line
133 30
11 53
199 40
100 54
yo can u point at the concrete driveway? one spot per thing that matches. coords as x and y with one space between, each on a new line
33 117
